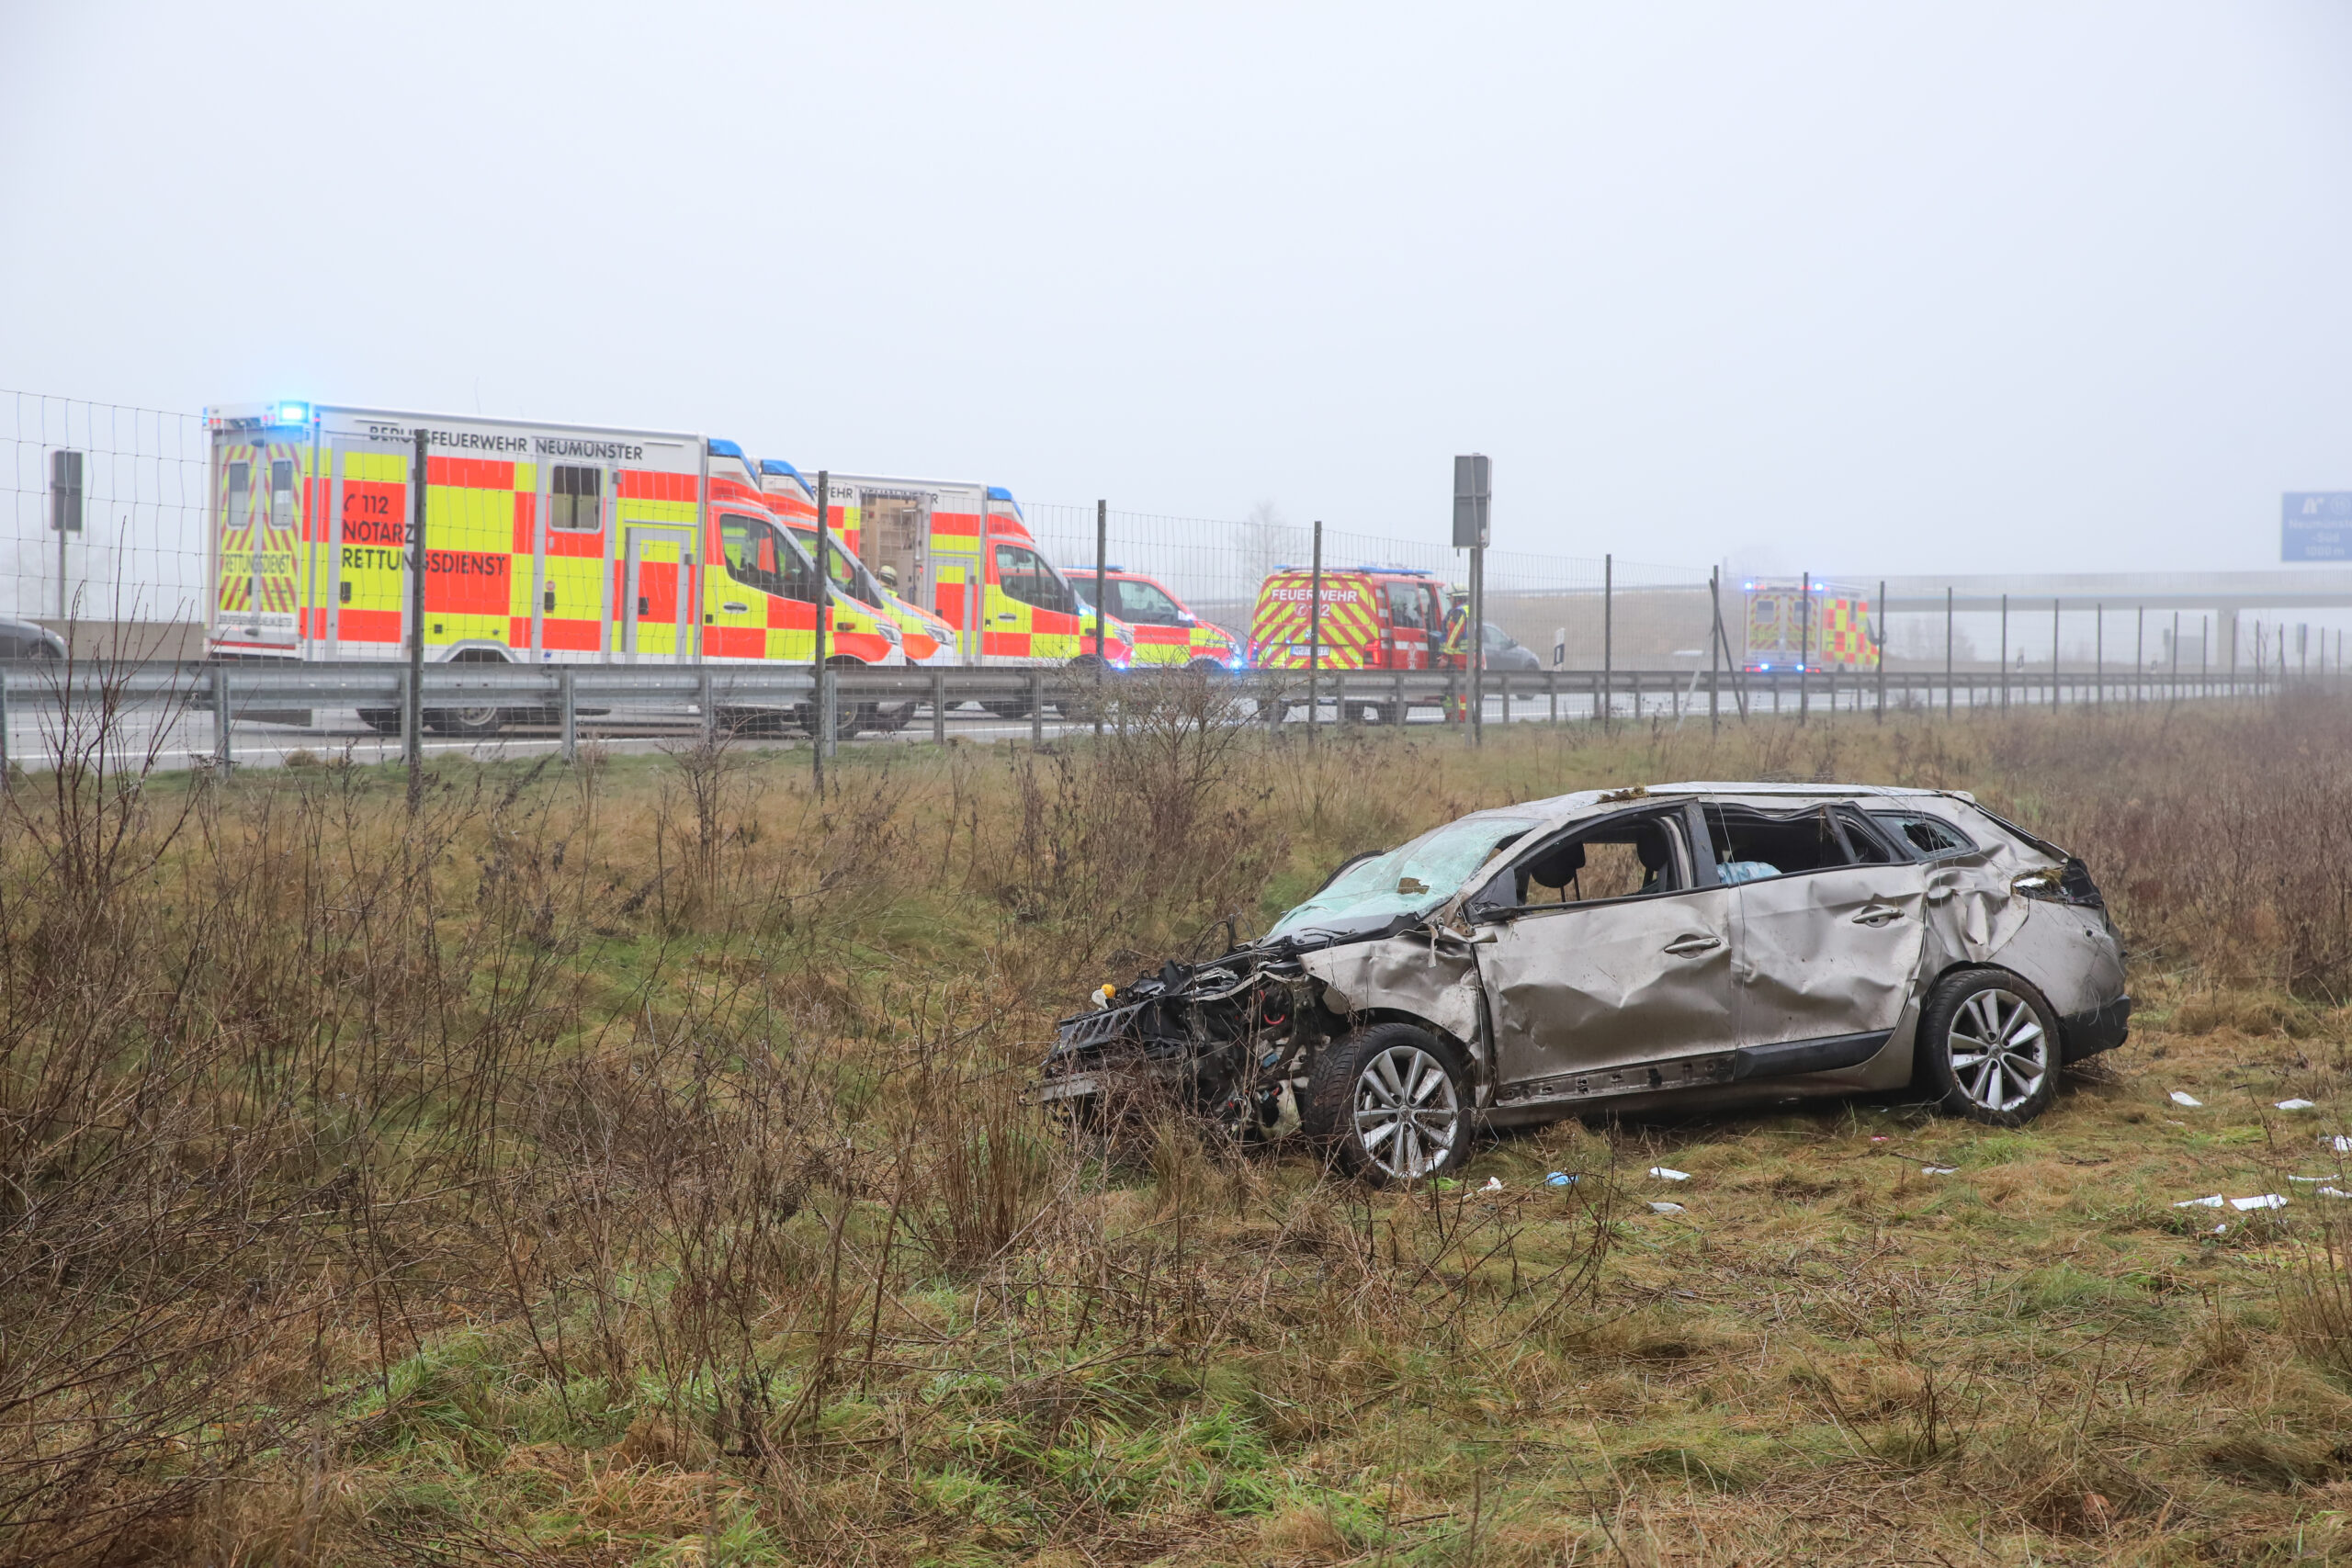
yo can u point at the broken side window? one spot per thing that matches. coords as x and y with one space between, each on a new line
1870 846
1929 838
1626 857
1750 845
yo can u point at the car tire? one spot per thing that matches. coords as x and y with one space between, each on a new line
1987 1047
1364 1079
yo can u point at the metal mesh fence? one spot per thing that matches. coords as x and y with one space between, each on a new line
1657 615
138 559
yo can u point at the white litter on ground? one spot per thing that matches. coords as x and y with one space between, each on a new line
1493 1184
2307 1181
2181 1096
2333 1193
2341 1144
1665 1208
1664 1174
2215 1202
1939 1170
2297 1104
2264 1201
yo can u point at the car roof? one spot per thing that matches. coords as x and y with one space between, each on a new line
1560 809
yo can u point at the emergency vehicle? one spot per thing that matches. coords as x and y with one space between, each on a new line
543 544
1374 617
964 552
1842 635
927 639
1166 632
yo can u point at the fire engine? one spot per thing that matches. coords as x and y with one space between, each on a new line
1840 633
543 544
1166 630
1374 617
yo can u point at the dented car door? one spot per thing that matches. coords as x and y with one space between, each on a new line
1828 935
1589 981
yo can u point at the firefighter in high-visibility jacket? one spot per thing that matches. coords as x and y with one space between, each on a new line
1455 651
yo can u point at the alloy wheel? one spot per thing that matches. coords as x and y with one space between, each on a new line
2000 1053
1408 1115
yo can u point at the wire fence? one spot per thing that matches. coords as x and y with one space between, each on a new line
1588 610
129 485
130 482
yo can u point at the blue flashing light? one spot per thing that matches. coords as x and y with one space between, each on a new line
778 465
291 413
998 493
726 449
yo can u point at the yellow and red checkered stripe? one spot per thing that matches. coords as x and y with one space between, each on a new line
1350 627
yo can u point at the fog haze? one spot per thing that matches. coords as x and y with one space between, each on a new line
1854 289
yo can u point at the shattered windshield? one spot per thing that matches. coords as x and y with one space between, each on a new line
1414 877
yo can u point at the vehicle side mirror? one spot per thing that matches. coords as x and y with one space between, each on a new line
1186 617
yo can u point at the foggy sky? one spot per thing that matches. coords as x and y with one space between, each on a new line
1854 287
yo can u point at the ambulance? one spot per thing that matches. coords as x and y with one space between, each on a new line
1841 635
963 553
1167 633
927 639
544 544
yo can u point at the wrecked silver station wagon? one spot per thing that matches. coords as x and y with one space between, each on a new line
1686 945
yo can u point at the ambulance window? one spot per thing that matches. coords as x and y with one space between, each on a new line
240 487
281 495
1143 603
1405 606
1024 578
841 567
758 558
572 507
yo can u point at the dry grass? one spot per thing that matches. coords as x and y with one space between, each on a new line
626 1164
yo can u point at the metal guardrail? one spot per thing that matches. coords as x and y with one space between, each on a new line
731 698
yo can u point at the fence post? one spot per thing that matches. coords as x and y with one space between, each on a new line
4 732
1102 604
2098 659
1882 652
1947 695
1805 651
412 698
2053 653
939 707
222 718
1037 705
1606 703
821 721
570 715
709 708
1714 647
2139 658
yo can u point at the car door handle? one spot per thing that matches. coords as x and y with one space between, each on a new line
1008 615
732 608
1694 945
1878 916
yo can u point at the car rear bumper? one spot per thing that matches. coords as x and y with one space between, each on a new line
2101 1029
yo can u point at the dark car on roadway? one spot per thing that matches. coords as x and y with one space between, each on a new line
1680 945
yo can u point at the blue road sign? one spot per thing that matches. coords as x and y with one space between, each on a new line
2315 525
